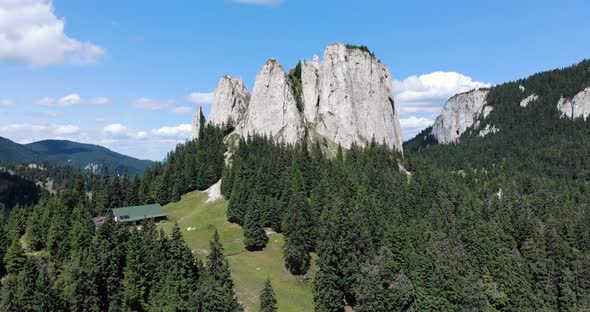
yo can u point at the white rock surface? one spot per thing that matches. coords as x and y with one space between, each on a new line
198 122
347 98
214 192
487 130
230 101
355 99
526 101
311 87
577 107
272 108
521 87
459 113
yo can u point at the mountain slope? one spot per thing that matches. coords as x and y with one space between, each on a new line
61 152
14 152
531 130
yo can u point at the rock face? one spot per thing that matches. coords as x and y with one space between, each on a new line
459 113
355 99
577 107
230 101
272 108
528 100
198 122
347 98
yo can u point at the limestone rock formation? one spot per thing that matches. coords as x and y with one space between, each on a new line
347 98
459 113
198 122
355 99
577 107
310 71
272 108
526 101
230 101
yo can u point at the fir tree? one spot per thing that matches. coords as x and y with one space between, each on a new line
268 300
254 235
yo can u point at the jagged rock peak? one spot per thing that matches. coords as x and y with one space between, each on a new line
354 102
273 109
347 98
461 111
576 107
230 101
198 122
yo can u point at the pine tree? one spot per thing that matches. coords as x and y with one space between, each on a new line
268 300
15 257
218 293
254 235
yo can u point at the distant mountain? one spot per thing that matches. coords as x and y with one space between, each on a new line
87 157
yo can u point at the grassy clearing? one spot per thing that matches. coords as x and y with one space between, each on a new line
249 269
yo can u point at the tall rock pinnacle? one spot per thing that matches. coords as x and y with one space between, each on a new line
198 122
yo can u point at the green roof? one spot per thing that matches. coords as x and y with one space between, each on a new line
136 213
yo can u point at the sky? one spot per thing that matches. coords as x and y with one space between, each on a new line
129 74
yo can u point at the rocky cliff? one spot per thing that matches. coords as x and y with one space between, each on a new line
347 98
459 113
576 107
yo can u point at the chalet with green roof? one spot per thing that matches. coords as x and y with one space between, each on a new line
135 214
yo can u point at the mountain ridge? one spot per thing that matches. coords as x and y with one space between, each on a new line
88 157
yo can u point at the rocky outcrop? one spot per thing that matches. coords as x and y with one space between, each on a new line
576 107
487 130
459 113
230 101
355 99
273 109
347 98
526 101
198 123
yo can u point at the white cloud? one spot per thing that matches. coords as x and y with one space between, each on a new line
71 100
182 131
151 104
182 110
115 129
101 119
432 89
5 103
30 33
260 2
26 132
200 98
413 125
66 129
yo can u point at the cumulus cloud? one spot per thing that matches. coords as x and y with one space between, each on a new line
26 132
432 89
152 104
200 98
260 2
182 131
31 33
115 129
71 100
5 103
413 125
182 110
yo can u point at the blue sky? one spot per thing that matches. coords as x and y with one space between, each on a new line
121 73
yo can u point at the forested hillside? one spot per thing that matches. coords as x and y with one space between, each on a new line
498 223
87 157
532 139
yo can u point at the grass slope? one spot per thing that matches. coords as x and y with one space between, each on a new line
249 269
